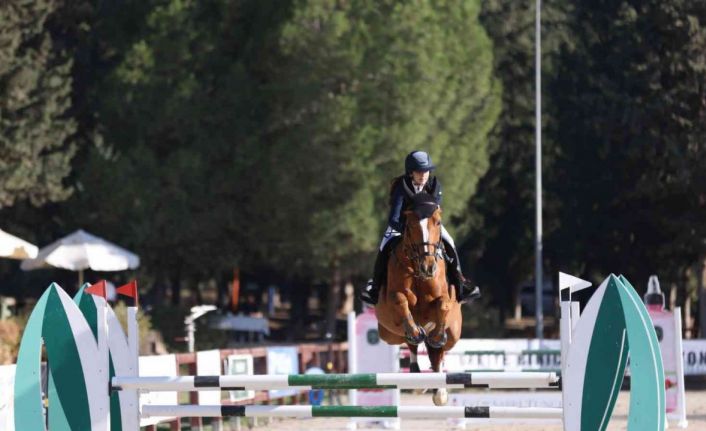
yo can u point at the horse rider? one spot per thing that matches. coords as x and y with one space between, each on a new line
417 178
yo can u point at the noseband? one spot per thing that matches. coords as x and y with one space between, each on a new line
418 252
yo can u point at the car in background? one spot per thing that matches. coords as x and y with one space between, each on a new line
550 299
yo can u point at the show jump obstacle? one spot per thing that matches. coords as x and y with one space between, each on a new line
93 379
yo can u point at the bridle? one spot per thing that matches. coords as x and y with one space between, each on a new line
417 252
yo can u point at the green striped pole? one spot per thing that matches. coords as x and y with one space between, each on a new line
340 381
300 412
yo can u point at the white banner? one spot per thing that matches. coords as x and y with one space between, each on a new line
535 399
162 365
208 363
374 356
667 333
694 357
488 354
282 360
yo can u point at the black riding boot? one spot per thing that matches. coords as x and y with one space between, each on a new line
465 291
372 290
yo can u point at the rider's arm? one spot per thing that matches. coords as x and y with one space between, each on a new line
396 203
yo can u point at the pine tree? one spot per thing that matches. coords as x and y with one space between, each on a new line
36 145
363 84
500 248
630 116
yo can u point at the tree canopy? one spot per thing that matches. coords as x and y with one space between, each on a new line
212 134
36 124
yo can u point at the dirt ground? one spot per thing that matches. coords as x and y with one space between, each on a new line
695 400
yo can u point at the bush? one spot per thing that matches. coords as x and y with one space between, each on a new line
10 336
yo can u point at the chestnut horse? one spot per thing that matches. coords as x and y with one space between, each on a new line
416 304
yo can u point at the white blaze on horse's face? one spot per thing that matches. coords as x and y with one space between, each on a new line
425 233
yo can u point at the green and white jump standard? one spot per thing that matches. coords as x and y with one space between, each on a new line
88 353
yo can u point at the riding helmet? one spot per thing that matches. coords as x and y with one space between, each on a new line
418 161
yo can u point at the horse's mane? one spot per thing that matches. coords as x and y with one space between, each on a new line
424 205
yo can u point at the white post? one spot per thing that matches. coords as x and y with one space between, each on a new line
575 315
190 337
396 422
133 338
565 331
538 282
352 364
104 356
570 315
679 358
133 345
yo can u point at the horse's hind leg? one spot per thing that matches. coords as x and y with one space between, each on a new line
436 356
413 364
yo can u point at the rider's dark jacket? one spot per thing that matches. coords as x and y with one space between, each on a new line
399 201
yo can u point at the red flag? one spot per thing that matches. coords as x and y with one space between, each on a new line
97 289
129 289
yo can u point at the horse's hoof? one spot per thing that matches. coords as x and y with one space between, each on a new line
441 397
419 339
414 368
438 344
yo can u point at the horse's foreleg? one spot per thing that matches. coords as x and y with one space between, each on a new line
414 334
438 338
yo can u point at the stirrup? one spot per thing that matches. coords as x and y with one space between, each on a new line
467 294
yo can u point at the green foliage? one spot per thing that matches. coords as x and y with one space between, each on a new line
10 336
266 133
361 85
501 244
36 143
629 109
263 134
144 325
174 108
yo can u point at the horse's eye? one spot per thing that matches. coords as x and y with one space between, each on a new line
438 223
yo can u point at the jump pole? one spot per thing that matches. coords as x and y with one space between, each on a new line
491 380
300 412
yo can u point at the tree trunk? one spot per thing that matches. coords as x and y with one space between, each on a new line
175 287
299 290
701 277
222 286
159 290
332 299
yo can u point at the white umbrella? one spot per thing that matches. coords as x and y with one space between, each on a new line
81 250
16 248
